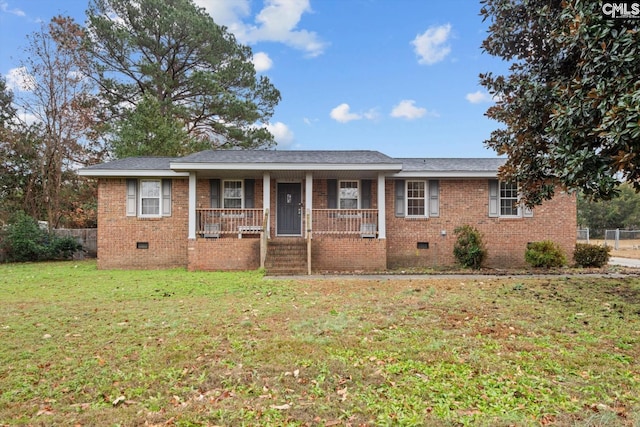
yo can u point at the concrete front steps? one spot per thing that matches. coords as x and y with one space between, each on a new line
286 257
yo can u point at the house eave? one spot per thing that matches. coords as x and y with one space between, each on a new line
447 174
382 167
113 173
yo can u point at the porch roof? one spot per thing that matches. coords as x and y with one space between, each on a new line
292 160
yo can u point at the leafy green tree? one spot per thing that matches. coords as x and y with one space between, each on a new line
170 60
621 212
570 105
146 131
37 158
7 110
20 180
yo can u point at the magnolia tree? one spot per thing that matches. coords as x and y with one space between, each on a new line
570 104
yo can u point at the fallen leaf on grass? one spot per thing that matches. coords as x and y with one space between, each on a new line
281 407
45 411
342 393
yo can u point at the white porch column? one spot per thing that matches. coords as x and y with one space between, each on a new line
308 201
266 199
382 208
192 205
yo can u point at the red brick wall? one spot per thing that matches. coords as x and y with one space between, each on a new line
345 253
226 253
467 202
461 202
118 233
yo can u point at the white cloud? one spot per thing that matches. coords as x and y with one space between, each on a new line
282 134
309 122
343 114
431 45
479 96
261 62
19 80
406 109
27 118
276 22
227 12
4 7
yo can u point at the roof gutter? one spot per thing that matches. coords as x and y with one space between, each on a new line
182 166
111 173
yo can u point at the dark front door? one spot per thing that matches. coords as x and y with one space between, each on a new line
289 215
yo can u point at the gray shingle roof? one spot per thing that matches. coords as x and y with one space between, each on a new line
135 163
320 157
451 164
288 156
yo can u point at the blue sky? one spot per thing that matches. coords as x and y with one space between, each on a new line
398 76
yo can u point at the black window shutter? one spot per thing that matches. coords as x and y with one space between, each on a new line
399 196
366 194
249 193
332 193
215 193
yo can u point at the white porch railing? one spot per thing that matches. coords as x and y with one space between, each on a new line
212 223
363 222
216 222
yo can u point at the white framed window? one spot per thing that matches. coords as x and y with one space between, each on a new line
150 197
232 194
416 198
348 195
509 200
504 200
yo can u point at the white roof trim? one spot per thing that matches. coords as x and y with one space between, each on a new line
446 174
107 173
286 166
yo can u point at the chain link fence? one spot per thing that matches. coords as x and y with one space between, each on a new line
622 239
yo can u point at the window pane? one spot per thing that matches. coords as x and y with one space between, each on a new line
232 195
416 191
415 207
150 197
233 189
150 189
348 203
150 206
508 199
348 195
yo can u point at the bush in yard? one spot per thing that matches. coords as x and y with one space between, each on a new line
469 249
545 254
587 255
24 241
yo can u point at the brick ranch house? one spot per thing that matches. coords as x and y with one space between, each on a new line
312 211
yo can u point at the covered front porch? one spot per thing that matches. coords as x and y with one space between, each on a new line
289 213
240 204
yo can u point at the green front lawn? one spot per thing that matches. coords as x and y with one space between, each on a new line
80 346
